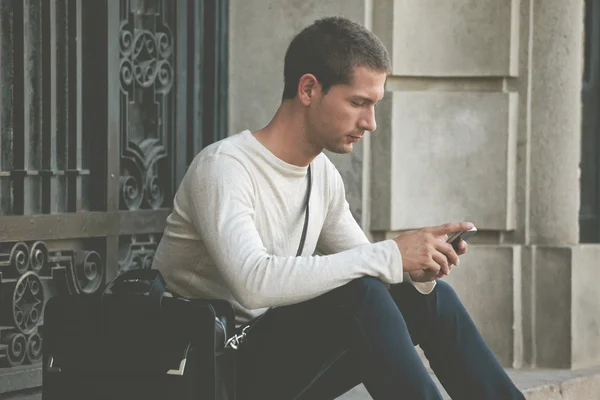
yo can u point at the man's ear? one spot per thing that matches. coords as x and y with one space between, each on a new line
308 88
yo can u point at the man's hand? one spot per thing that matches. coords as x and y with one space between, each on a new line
462 247
425 253
424 275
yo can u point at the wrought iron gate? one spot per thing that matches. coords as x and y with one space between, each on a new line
102 106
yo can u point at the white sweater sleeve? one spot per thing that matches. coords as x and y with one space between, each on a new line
222 196
341 231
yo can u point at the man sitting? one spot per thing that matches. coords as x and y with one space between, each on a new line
353 313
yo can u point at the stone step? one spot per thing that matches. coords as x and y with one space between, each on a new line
537 384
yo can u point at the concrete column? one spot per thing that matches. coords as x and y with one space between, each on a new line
555 79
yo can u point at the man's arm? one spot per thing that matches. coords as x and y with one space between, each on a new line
341 232
222 197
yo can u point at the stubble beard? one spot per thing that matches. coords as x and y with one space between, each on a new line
340 147
321 140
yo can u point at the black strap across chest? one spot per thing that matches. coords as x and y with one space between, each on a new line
306 214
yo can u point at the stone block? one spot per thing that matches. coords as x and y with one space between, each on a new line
566 306
585 306
488 283
552 306
545 393
451 37
444 156
582 388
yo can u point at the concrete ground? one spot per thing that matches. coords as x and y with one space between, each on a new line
536 384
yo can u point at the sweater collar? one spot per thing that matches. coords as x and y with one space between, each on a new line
266 154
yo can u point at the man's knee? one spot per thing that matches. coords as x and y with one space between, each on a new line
365 291
445 291
367 284
448 303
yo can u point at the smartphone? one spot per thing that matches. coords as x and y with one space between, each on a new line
455 238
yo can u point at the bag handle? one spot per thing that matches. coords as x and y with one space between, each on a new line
145 282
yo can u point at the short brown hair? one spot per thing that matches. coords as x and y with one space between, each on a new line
330 49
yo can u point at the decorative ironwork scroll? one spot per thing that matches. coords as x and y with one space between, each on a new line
31 273
147 100
137 251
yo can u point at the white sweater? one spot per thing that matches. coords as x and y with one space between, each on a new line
236 225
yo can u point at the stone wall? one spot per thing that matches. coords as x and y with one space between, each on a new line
482 118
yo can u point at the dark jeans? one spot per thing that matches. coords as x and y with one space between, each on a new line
365 332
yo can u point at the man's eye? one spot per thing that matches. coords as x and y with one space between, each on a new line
357 103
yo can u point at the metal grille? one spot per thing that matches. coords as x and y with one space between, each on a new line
103 104
589 213
44 163
147 104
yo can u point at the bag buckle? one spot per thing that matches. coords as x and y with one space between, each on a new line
51 366
235 341
180 371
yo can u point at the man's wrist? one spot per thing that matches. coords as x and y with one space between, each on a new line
422 287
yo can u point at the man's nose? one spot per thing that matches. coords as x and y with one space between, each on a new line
368 122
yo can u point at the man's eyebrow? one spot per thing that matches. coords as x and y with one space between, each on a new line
363 98
366 99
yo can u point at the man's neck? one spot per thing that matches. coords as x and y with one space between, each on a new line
285 136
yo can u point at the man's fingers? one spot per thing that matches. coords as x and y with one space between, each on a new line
432 268
462 247
448 251
450 228
442 261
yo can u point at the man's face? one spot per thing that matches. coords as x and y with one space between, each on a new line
339 118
